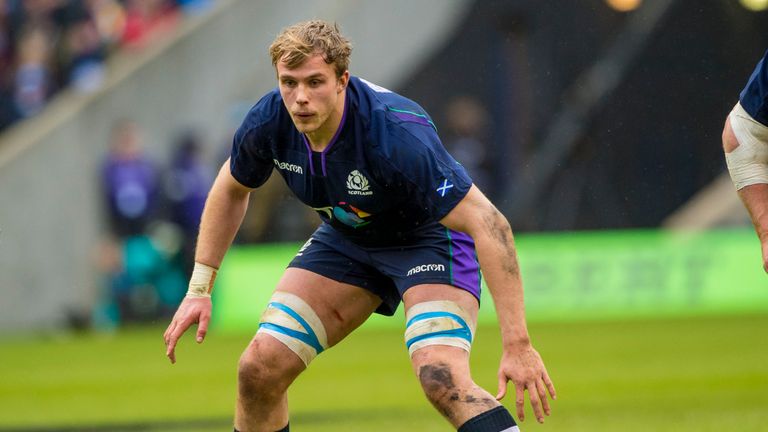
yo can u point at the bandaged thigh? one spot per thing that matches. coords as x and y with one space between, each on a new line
747 163
293 322
439 322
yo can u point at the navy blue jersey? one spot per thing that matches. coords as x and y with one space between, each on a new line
382 179
754 97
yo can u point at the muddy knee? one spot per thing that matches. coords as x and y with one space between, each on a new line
442 385
437 381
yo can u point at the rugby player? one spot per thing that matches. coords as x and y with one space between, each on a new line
401 221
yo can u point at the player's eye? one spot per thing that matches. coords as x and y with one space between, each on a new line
315 82
289 83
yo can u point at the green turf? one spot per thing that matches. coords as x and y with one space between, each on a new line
697 374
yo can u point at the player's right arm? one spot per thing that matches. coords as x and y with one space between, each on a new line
754 195
223 213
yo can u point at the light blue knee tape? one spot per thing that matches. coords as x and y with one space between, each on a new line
437 323
293 322
308 337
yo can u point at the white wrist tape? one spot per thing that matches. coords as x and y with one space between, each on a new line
748 163
201 282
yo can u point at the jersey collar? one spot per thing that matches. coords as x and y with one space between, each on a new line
331 143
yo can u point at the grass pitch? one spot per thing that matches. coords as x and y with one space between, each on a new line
693 374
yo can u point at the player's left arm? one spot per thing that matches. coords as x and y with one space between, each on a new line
495 245
754 195
755 199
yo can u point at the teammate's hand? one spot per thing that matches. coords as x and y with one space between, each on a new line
191 310
523 366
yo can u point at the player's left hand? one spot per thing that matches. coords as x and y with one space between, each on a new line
523 366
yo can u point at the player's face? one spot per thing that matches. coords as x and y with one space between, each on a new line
313 95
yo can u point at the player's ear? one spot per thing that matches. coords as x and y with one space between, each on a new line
343 81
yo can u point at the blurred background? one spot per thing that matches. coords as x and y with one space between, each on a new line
593 125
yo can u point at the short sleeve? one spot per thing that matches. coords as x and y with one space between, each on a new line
427 171
250 161
754 97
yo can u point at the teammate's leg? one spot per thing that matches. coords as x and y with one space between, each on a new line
440 358
268 366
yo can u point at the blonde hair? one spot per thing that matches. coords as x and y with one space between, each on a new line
302 40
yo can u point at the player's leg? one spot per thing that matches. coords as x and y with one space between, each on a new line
308 313
441 322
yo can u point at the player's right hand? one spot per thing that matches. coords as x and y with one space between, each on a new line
191 310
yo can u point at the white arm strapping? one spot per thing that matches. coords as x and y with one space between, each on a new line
748 163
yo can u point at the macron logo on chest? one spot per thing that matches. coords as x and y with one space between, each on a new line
285 166
357 184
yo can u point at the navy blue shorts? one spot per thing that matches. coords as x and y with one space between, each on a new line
438 256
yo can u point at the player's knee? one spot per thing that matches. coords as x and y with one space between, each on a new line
452 392
254 376
435 332
439 382
262 371
441 379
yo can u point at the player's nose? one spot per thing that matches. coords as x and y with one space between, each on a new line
302 95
